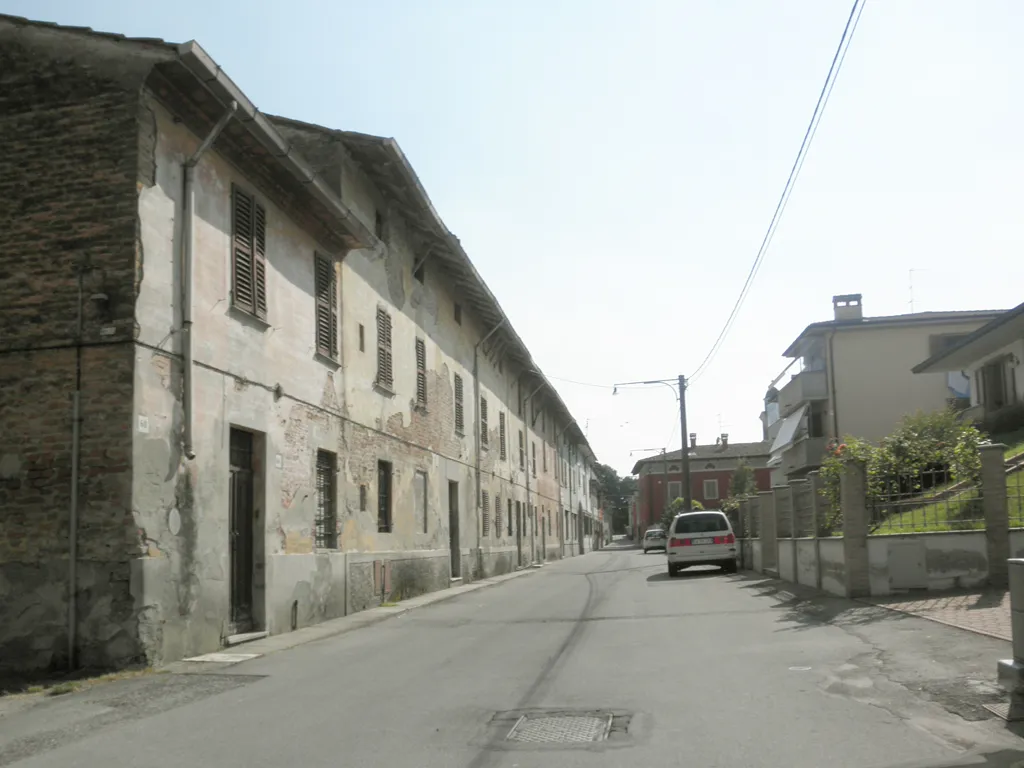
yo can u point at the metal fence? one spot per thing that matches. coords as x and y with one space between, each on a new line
1015 499
925 501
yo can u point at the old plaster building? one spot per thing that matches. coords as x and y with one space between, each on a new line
250 380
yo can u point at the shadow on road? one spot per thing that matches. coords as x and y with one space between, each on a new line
698 572
805 608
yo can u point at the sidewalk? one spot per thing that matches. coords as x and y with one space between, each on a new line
984 611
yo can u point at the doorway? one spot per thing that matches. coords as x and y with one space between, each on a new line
453 529
240 530
519 533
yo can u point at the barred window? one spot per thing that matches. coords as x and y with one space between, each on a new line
497 516
486 504
501 435
326 522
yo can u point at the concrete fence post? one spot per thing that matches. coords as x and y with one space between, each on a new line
743 513
769 532
1011 671
853 499
784 532
817 510
997 521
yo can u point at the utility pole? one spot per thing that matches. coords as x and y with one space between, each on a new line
684 440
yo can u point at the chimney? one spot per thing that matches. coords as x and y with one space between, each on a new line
725 439
848 307
693 439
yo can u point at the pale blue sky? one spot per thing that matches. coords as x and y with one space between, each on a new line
611 166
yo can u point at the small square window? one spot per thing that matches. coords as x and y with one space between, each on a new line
710 489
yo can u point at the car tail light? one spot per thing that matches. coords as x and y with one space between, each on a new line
680 543
730 539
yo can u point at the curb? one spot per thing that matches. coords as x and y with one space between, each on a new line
905 612
342 625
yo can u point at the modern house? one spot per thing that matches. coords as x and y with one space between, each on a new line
853 377
660 477
250 379
990 361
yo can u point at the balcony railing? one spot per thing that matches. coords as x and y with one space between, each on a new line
805 453
802 388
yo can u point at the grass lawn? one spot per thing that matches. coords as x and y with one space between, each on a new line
1014 442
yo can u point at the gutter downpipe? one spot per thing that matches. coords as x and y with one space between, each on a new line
76 408
529 465
188 207
476 434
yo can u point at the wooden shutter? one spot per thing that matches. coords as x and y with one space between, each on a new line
260 260
326 289
486 514
243 291
483 421
385 372
460 420
421 372
501 435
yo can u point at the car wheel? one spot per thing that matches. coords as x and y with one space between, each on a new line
672 571
730 567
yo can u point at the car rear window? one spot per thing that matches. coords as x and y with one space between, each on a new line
701 523
655 534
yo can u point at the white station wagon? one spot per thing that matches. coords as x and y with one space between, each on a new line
701 538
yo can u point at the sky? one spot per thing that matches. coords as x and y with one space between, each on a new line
611 167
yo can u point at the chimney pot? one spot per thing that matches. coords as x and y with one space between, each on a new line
725 439
848 307
693 439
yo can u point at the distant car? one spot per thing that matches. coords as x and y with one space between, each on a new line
654 539
701 538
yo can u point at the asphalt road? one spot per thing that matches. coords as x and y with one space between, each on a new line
702 670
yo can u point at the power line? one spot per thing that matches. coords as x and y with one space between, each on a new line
819 108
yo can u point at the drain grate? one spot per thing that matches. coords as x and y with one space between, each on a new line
560 729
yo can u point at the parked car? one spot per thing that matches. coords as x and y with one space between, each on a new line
701 538
654 539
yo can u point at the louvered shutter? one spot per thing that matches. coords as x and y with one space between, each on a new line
242 252
385 373
326 289
260 260
421 372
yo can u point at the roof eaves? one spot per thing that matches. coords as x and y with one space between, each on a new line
990 326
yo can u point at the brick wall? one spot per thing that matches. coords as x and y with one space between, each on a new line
67 202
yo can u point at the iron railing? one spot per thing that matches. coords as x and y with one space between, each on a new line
922 502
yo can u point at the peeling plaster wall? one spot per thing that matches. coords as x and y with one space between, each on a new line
934 561
806 563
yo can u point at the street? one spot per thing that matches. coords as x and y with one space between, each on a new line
702 670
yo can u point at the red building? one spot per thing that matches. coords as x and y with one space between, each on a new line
711 471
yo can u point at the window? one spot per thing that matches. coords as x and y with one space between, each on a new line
711 489
458 313
816 419
483 421
326 523
421 373
420 498
510 517
419 271
549 522
501 435
362 338
940 342
384 496
533 459
326 288
997 385
711 522
460 416
385 370
362 498
486 505
249 254
522 451
544 457
675 491
497 516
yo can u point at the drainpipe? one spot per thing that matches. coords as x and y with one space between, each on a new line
529 465
479 447
188 208
76 399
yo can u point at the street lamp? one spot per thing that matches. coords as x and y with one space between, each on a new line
679 390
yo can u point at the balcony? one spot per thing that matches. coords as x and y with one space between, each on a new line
805 454
802 388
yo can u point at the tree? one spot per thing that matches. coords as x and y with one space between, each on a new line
742 483
616 494
675 508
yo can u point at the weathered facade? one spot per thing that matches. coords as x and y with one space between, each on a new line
295 396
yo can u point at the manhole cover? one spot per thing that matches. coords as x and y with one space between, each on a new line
560 729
